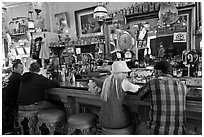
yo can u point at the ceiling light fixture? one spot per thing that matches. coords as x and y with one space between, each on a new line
100 12
4 9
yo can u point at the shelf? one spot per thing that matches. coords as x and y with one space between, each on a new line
88 44
198 34
17 34
73 45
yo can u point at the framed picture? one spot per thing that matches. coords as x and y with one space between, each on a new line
61 21
86 25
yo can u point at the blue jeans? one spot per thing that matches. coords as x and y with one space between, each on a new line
144 129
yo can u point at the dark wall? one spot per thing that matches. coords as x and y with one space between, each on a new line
167 42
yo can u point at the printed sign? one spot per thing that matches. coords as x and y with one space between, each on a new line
179 37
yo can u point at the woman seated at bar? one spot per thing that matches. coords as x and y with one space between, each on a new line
32 90
113 113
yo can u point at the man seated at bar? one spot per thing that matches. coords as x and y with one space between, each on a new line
167 97
32 90
113 113
10 90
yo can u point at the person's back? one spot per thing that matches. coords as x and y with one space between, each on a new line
113 113
167 99
33 86
168 105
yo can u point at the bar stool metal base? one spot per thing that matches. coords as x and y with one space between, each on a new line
32 120
82 124
52 119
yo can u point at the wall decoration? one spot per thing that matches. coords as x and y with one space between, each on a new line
62 22
179 37
181 25
86 25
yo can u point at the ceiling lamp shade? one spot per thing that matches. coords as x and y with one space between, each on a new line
100 12
38 6
3 8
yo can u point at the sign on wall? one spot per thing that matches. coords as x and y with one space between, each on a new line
179 37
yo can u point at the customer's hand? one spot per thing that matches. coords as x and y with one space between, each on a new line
93 88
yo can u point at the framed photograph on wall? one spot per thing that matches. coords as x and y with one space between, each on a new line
86 25
61 21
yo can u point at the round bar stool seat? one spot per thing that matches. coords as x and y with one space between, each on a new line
51 118
123 131
85 122
32 120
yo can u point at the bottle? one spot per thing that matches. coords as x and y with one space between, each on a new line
199 69
63 76
73 77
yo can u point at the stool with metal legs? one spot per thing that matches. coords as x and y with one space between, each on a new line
31 116
85 123
53 119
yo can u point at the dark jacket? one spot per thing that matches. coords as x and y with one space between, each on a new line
10 89
32 88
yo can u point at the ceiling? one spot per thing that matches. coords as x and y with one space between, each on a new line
14 4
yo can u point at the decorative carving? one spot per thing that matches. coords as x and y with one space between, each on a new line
32 120
51 126
71 131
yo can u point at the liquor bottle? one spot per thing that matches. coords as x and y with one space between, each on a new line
128 11
156 6
140 5
145 6
199 71
132 9
136 9
125 11
151 6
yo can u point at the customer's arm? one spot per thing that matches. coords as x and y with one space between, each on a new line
144 91
47 83
128 86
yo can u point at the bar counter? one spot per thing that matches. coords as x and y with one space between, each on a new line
77 99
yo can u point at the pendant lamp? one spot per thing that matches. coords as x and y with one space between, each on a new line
100 12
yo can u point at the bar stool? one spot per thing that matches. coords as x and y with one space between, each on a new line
84 123
52 118
31 116
123 131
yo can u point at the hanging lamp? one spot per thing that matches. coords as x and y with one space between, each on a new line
38 6
100 12
3 8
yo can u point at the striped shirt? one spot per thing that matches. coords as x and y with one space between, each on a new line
167 110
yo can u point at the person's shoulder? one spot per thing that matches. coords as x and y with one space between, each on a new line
14 76
41 76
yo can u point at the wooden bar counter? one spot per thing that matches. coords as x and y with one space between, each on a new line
76 99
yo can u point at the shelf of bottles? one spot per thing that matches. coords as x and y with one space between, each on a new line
145 7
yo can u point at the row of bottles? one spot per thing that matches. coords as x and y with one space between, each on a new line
62 74
79 41
142 7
